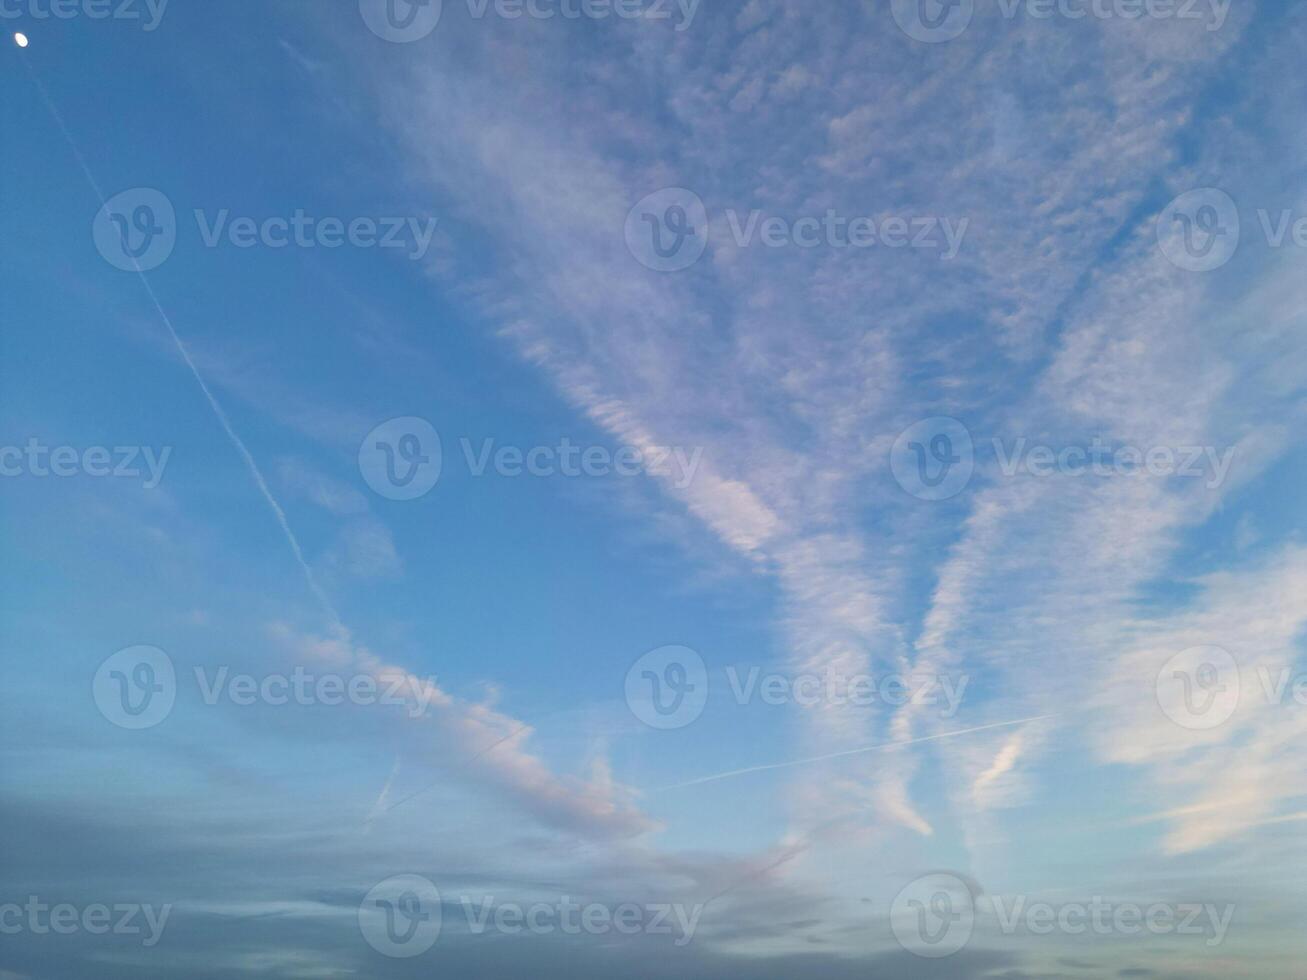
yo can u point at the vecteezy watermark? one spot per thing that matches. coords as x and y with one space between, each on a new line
35 459
1098 459
401 21
404 21
668 687
834 688
402 917
148 12
1211 12
934 459
64 919
668 231
136 230
402 459
1103 917
935 21
1201 688
1200 230
934 916
137 688
833 230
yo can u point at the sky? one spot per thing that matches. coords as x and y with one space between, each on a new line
724 489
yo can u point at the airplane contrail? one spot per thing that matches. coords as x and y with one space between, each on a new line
848 752
327 607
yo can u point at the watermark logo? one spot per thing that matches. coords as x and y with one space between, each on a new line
136 687
1214 12
934 458
837 689
64 919
395 688
1101 460
401 916
1284 225
401 459
667 688
934 915
136 230
836 231
667 231
401 21
39 460
1199 688
484 914
1103 917
933 21
148 12
1199 231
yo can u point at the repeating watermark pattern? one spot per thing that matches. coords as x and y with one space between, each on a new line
936 915
137 688
401 21
405 21
305 688
1104 917
1211 13
933 21
36 459
833 230
936 21
148 13
40 918
669 230
1207 463
136 230
1200 230
933 916
934 459
1201 688
834 688
484 913
403 459
667 688
402 917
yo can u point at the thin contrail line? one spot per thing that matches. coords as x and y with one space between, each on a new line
848 752
426 789
250 464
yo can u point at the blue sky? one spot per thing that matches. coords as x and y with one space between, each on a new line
634 236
